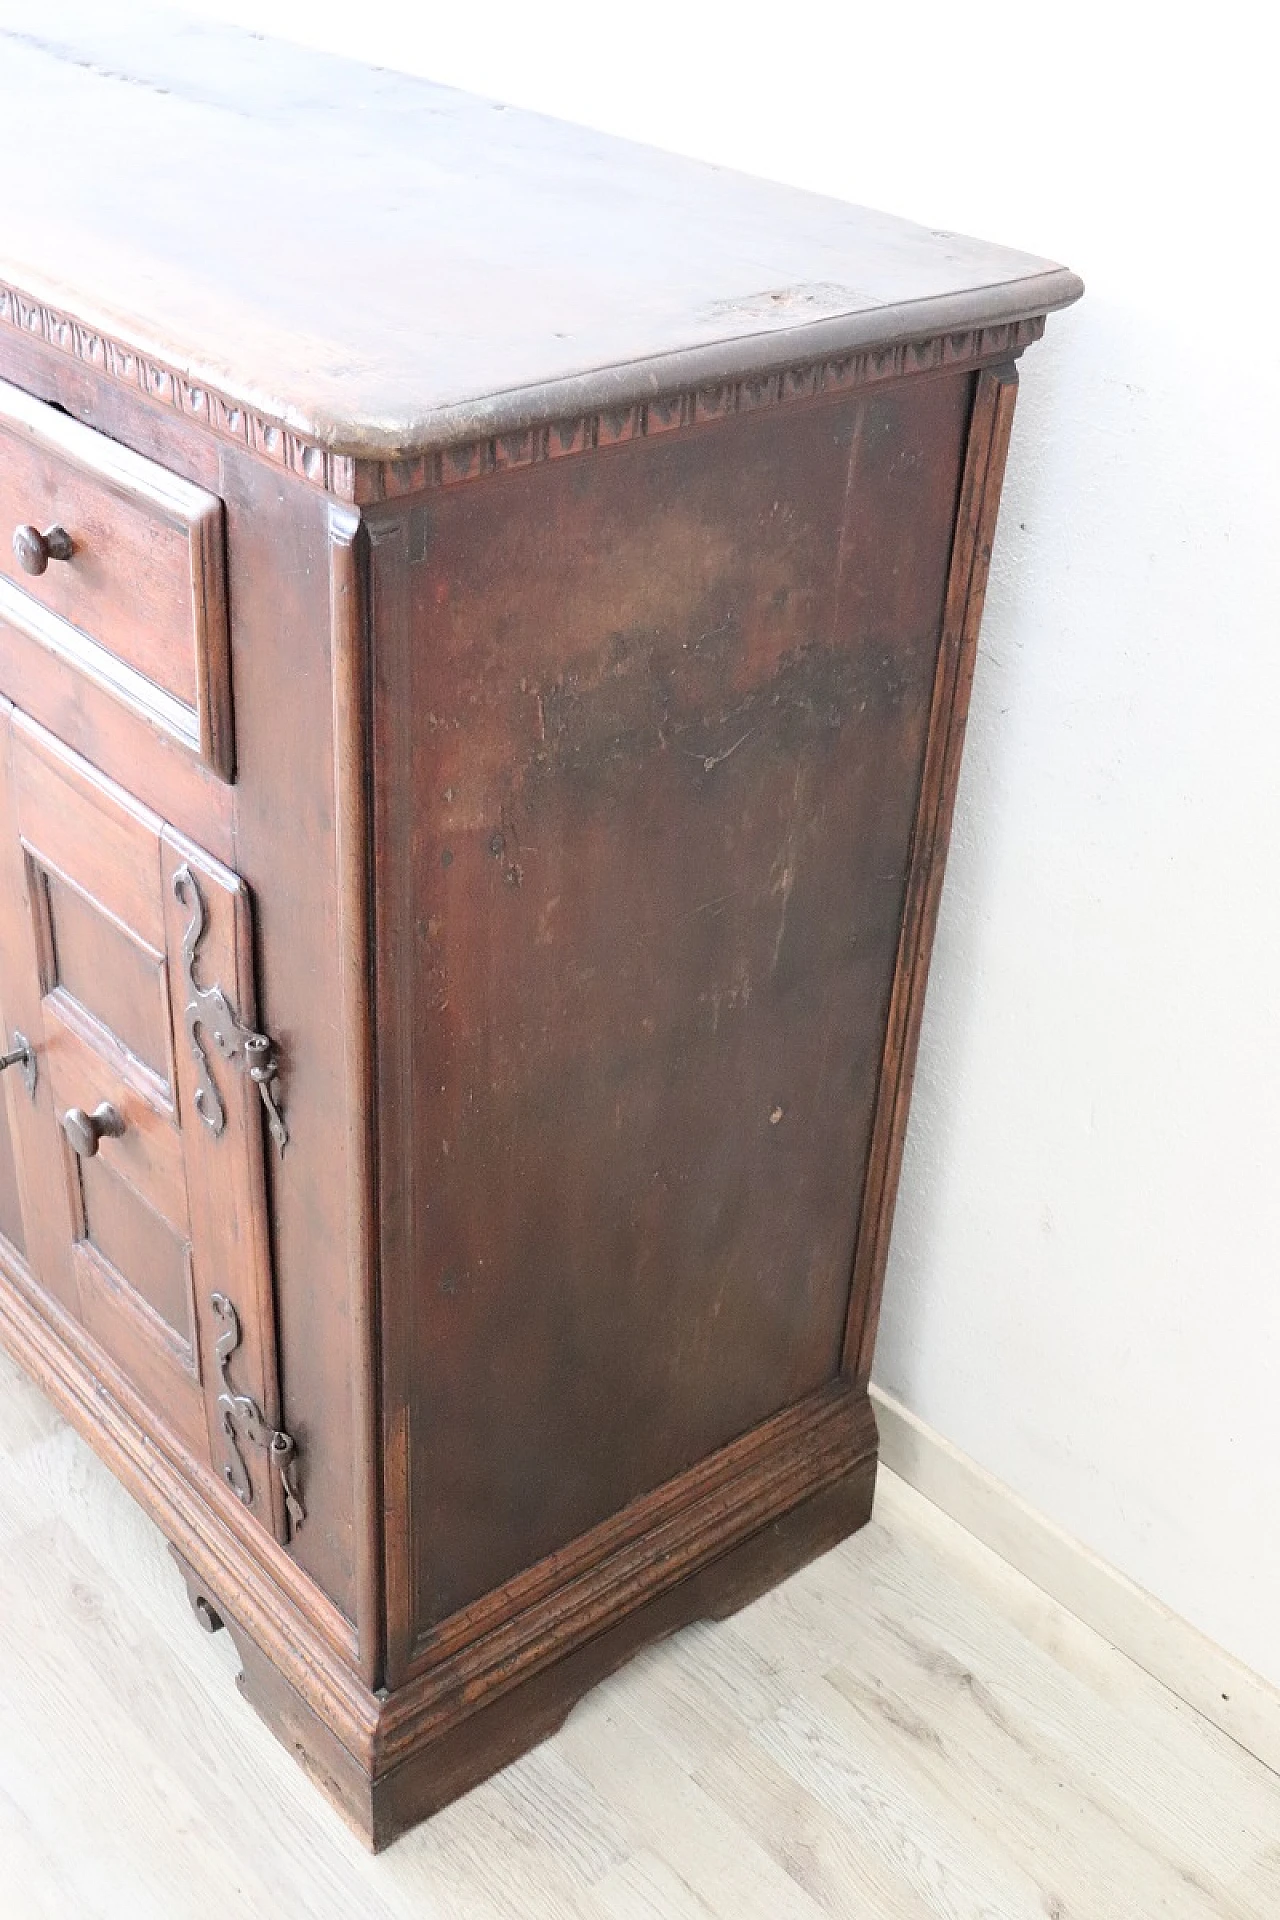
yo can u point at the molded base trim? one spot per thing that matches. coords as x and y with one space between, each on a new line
444 1765
453 1762
504 1674
1233 1698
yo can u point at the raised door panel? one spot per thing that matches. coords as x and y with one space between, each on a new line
141 947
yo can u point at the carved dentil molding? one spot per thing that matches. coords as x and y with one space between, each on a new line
387 479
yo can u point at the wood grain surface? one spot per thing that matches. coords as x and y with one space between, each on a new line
639 909
510 267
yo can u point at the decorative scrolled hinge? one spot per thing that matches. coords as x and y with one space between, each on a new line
209 1011
243 1419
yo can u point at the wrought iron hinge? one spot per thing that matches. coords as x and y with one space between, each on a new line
209 1011
243 1419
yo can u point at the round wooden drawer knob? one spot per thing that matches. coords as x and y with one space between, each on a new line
34 550
85 1130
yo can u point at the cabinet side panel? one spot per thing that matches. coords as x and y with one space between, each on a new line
649 734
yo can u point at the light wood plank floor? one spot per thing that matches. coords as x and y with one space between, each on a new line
907 1729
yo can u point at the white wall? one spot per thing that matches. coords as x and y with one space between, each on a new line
1085 1285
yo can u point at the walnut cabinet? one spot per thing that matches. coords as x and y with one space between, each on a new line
486 622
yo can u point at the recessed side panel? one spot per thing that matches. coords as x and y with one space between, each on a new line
650 728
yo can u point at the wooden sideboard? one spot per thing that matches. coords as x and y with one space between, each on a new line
486 621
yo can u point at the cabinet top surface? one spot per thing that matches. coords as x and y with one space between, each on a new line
384 265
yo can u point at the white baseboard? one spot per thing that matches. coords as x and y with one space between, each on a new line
1230 1695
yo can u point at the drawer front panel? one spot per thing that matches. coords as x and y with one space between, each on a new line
137 600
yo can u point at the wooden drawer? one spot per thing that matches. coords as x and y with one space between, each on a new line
136 602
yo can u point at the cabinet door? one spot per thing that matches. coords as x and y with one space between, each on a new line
33 1237
140 946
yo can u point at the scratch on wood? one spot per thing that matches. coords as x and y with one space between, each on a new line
711 761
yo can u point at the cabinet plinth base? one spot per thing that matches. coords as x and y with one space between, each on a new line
498 1680
382 1806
